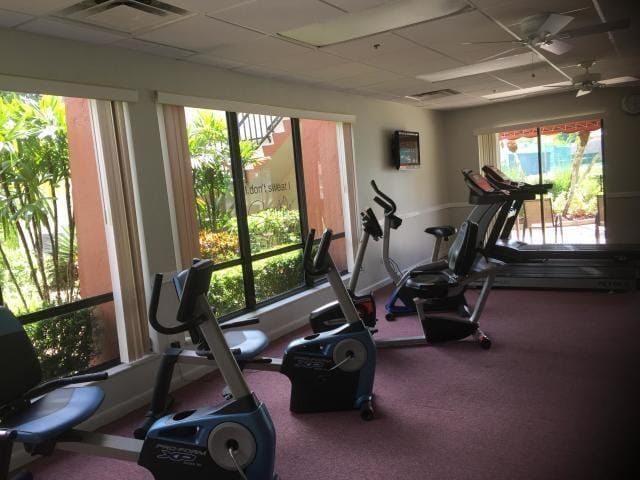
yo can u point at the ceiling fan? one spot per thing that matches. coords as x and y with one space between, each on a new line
545 31
584 84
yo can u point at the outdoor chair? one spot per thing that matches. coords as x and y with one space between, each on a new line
533 218
600 219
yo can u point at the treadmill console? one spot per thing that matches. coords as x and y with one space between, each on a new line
481 191
498 179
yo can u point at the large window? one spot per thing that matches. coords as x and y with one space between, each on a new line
569 156
260 182
55 273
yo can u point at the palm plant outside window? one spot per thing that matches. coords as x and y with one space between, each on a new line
249 177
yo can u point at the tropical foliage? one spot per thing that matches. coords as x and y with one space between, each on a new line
218 237
36 212
37 229
211 165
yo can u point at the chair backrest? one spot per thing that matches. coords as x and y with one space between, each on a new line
464 248
19 366
601 218
532 211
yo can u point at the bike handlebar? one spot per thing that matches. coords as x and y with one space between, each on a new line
153 310
383 200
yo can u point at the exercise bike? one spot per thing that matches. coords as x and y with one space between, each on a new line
330 316
440 287
332 370
234 440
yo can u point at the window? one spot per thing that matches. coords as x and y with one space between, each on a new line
56 274
569 156
259 183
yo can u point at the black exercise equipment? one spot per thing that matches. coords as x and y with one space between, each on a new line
235 440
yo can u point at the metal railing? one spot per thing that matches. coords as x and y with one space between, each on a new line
257 128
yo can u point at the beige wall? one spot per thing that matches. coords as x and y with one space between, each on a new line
621 148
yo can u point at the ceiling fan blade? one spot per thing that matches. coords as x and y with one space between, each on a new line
618 80
593 29
582 92
557 47
554 23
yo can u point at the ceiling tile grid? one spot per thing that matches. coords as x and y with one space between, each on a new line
10 19
199 33
71 31
242 35
272 16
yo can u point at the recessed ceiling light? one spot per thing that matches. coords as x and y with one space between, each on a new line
371 21
483 67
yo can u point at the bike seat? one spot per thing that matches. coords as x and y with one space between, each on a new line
54 413
442 231
247 343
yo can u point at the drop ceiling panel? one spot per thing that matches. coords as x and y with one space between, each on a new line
456 101
412 61
36 7
199 33
310 60
273 16
259 71
369 47
466 27
343 70
362 80
447 35
205 6
214 62
259 52
357 5
56 28
476 85
402 87
153 48
11 19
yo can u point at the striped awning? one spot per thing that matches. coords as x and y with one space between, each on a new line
571 127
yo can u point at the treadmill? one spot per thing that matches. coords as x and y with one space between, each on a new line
576 266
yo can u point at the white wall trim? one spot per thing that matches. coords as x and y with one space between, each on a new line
632 194
66 89
435 208
237 106
540 122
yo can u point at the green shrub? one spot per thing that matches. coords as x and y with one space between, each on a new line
273 227
561 181
64 344
226 292
273 276
278 274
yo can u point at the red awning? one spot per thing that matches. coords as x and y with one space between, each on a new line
572 127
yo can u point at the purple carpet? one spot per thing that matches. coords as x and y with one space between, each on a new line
557 397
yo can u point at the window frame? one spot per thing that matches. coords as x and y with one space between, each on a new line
246 258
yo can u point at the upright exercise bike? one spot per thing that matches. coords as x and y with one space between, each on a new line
332 370
330 316
234 440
